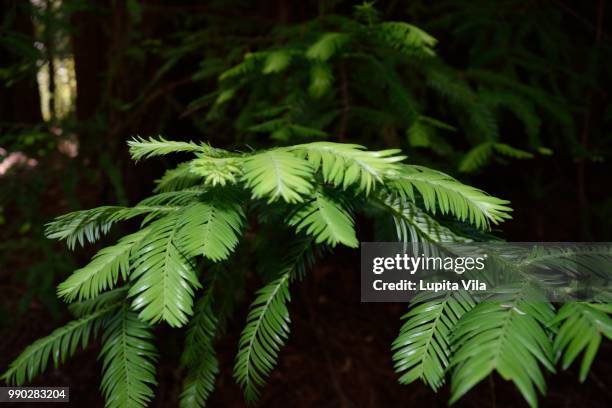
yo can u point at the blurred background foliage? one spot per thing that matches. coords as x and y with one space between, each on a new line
511 96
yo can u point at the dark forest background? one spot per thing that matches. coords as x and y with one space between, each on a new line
80 77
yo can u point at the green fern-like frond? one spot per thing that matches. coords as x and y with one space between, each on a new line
211 227
128 356
103 271
508 335
424 345
266 331
278 174
250 64
441 192
199 212
277 61
350 164
199 355
407 38
82 226
326 219
61 344
414 225
141 148
419 134
224 96
512 152
476 158
163 276
327 46
89 225
321 79
582 327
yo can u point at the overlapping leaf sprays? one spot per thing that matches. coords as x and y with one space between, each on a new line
199 212
171 271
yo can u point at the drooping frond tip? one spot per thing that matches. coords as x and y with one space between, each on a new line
424 345
58 346
442 193
128 361
266 331
582 327
509 336
199 356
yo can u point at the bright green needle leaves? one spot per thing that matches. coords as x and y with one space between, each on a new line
103 271
325 218
582 327
265 333
423 348
211 228
510 337
128 361
164 277
278 174
345 165
197 217
440 192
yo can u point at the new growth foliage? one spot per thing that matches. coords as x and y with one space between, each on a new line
165 273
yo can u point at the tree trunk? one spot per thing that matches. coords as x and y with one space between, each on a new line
90 50
20 100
